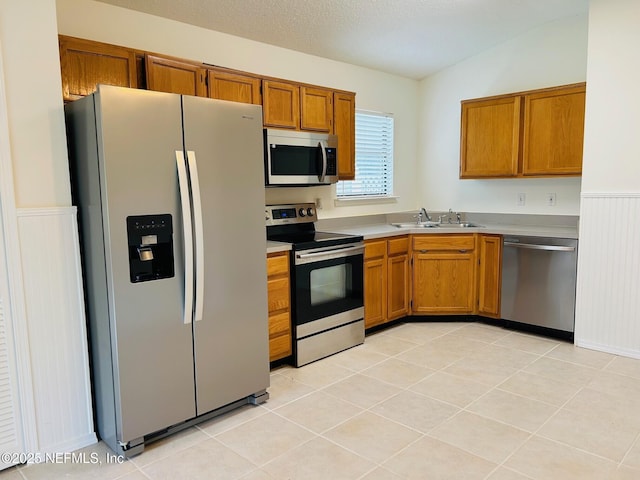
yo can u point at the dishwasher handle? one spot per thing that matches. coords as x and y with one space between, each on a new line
532 246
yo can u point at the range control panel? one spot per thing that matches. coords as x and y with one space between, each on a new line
290 213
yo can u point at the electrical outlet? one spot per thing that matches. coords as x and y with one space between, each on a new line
551 199
318 203
522 197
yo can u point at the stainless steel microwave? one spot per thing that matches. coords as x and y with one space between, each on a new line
293 158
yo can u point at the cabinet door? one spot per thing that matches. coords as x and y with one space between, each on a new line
489 275
443 282
397 286
375 282
281 104
490 137
554 132
85 64
174 76
316 109
344 115
234 87
279 302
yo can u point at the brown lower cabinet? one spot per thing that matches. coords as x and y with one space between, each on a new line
279 300
386 280
432 274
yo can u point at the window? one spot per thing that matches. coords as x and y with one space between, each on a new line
374 157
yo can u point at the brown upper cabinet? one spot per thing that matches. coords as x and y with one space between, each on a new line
316 109
175 76
85 64
234 87
344 126
281 104
526 134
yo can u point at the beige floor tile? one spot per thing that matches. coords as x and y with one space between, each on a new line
483 371
625 366
319 411
527 343
481 436
285 389
11 473
464 345
429 458
503 473
381 474
205 460
318 374
582 356
169 445
504 356
632 459
593 434
612 408
356 358
544 459
625 473
539 388
415 410
562 371
386 344
372 436
430 356
614 384
318 459
481 333
264 438
451 389
423 332
397 372
361 390
135 475
232 419
89 462
257 474
520 412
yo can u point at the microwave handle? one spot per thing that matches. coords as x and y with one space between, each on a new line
323 149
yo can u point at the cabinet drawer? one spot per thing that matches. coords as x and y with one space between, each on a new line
278 265
279 323
398 245
444 242
278 294
375 249
279 347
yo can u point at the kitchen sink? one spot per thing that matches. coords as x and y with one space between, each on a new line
460 225
416 225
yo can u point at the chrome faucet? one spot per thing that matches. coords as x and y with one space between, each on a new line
423 213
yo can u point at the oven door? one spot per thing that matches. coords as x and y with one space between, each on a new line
329 284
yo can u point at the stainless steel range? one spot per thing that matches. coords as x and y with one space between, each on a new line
327 282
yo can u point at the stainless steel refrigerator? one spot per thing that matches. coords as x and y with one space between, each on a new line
170 191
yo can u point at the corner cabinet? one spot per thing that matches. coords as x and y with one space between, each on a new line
386 280
84 64
444 274
279 301
535 133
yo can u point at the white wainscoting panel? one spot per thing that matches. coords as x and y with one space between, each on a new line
608 289
57 328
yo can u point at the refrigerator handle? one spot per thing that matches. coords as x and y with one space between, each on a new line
183 182
199 233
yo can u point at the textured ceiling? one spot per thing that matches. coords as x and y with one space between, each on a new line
412 38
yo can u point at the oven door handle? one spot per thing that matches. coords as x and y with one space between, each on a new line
328 254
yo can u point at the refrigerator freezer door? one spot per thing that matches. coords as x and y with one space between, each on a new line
138 135
231 340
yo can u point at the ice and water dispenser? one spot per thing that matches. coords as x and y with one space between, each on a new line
150 240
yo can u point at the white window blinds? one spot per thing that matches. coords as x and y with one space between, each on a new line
374 157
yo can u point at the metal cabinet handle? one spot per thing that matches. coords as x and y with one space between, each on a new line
531 246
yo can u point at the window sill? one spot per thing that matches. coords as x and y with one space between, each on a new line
364 200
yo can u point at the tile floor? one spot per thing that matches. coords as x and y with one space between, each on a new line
416 401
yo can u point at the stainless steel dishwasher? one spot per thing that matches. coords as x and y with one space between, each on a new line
539 283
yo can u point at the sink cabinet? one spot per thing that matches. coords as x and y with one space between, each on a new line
444 274
279 301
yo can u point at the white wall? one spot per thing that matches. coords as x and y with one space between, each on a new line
374 90
554 54
607 302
